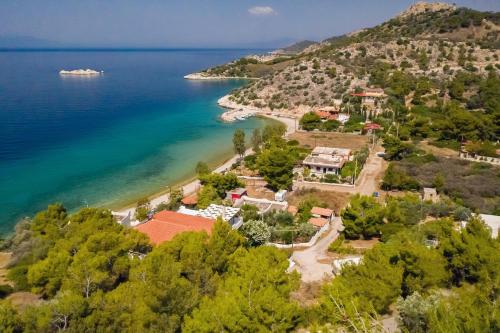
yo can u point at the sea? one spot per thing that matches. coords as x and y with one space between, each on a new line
106 140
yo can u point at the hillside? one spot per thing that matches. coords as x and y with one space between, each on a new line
406 246
433 42
295 48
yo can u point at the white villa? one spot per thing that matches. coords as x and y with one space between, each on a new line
326 160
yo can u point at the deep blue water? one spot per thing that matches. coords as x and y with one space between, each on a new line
108 139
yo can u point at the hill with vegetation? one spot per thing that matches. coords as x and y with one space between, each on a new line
90 274
434 44
439 66
433 266
295 48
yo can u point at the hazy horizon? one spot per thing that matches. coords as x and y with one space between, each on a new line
193 23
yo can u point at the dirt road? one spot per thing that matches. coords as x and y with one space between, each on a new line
308 261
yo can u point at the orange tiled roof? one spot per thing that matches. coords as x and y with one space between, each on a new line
321 211
190 200
322 114
318 221
166 224
372 126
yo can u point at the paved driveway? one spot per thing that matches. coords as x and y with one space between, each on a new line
307 262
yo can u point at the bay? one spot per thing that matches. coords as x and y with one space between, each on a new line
106 140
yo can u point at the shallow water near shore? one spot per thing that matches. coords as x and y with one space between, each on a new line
108 139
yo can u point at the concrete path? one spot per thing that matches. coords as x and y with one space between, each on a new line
307 262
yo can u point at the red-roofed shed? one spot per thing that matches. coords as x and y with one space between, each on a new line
318 221
372 127
190 200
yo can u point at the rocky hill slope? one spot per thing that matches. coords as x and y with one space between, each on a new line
432 41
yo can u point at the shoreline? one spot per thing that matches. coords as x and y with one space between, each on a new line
190 186
234 111
200 76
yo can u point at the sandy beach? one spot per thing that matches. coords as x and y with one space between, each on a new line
228 115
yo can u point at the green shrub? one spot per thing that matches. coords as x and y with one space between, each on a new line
5 290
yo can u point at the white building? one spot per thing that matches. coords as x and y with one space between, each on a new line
326 160
430 194
280 195
124 219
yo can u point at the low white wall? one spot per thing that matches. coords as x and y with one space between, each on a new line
320 186
311 242
249 200
249 177
478 158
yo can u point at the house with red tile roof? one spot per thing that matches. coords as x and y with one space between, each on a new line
318 222
166 224
369 128
371 98
190 200
324 213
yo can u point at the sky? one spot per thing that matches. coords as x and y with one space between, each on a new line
197 23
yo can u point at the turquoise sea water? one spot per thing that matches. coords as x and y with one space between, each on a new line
109 139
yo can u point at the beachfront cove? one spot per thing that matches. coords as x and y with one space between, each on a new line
114 138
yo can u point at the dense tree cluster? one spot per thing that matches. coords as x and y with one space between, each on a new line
366 217
96 276
451 286
274 157
215 186
311 121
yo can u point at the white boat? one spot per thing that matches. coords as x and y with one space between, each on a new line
80 72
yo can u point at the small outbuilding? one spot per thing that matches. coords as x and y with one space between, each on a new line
236 194
370 128
280 195
430 194
318 222
190 200
324 213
